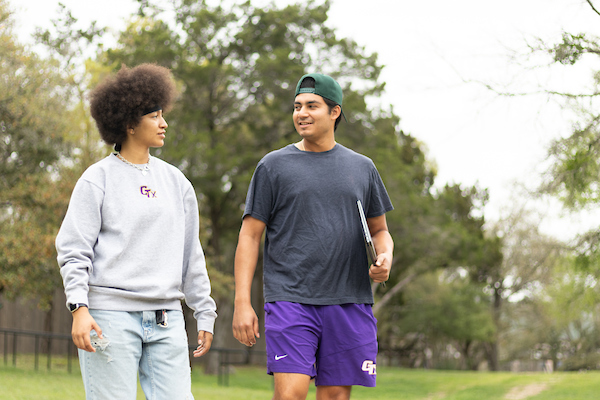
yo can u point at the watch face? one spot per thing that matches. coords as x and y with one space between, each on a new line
76 306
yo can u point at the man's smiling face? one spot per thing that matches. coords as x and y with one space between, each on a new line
312 117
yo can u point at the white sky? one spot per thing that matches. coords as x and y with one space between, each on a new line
434 51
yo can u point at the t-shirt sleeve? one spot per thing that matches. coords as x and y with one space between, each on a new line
259 199
379 202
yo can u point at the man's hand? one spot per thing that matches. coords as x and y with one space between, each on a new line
380 271
384 247
204 342
245 324
83 324
245 321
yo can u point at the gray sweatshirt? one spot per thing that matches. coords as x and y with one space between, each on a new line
129 242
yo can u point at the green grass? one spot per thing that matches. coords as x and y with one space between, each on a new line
249 383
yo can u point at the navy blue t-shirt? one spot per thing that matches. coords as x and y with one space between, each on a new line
314 247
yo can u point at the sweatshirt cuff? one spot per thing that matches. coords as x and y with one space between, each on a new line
207 326
77 297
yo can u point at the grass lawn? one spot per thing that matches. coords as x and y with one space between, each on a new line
249 383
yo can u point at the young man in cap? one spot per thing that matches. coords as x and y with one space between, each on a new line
318 299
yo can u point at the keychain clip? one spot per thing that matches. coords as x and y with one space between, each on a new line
161 318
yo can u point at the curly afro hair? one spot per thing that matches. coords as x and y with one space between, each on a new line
120 101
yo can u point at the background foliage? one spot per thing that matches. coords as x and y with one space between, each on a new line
463 293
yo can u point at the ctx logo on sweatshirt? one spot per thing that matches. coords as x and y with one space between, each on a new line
146 191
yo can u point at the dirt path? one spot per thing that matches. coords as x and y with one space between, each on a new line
436 396
523 392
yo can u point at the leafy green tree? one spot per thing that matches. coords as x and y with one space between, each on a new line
527 260
28 258
576 336
237 68
444 307
31 110
33 119
71 50
530 331
572 176
438 231
50 132
575 158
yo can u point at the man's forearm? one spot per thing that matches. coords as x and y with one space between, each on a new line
383 242
246 258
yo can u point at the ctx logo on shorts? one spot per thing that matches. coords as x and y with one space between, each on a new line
370 367
146 191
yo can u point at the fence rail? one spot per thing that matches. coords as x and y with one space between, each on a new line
38 336
227 357
226 360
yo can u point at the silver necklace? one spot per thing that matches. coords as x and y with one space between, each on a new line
144 169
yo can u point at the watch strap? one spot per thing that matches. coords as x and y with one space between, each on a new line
76 306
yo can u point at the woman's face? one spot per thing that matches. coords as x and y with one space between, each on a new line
150 131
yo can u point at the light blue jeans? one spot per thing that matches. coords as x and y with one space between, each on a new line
133 342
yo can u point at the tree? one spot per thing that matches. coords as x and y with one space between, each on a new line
28 260
526 265
70 49
237 68
30 110
571 338
439 231
451 316
575 158
573 178
33 120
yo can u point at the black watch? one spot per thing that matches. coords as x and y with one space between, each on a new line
76 306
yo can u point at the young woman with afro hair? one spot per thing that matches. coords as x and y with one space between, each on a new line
129 252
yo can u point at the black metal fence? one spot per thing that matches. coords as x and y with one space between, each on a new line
227 357
49 338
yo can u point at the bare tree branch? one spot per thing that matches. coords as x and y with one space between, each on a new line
573 95
593 8
397 287
533 92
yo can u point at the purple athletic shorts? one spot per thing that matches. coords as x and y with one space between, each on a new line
336 344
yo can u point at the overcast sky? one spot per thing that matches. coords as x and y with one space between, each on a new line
437 55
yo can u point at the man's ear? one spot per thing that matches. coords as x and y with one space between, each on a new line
336 112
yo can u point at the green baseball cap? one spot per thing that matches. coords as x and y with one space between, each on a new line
325 86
